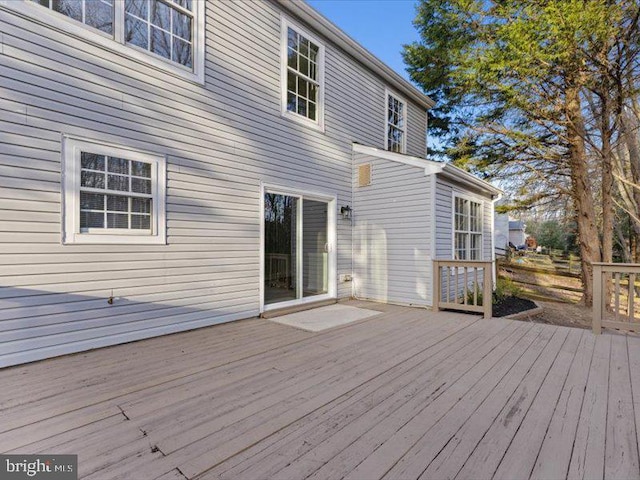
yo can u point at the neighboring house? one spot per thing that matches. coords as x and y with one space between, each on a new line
172 164
501 232
517 234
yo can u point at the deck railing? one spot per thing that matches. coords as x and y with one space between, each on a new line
616 307
465 285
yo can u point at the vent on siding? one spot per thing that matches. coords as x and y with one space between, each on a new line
364 175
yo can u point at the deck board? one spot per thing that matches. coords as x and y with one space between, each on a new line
416 461
555 453
621 455
406 394
587 458
520 458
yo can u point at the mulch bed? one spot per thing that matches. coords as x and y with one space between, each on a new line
511 305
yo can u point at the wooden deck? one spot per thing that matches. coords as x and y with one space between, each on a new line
405 394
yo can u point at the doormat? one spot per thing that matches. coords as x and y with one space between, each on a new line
322 318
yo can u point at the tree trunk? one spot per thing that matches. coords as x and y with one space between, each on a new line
607 193
588 238
630 130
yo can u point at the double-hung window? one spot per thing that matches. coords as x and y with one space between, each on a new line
112 195
98 14
467 229
396 123
164 28
164 33
302 76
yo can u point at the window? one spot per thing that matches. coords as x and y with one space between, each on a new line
112 195
163 27
467 229
164 33
302 75
95 13
396 124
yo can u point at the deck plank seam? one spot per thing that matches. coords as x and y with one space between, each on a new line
471 387
633 403
582 335
345 398
480 403
441 392
533 397
491 336
345 393
506 403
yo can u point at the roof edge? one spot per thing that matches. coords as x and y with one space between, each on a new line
459 175
332 32
429 166
448 170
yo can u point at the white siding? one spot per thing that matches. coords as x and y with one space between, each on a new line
221 140
445 191
391 228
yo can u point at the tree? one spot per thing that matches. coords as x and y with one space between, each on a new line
510 78
550 233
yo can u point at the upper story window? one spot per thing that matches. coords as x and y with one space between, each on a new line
168 34
302 75
112 195
95 13
467 229
396 123
163 27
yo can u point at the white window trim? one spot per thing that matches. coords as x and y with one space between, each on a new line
116 43
71 234
390 93
318 124
453 226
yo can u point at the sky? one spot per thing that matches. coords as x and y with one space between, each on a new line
381 26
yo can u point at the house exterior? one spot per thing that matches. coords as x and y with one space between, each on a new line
410 212
173 164
501 232
517 235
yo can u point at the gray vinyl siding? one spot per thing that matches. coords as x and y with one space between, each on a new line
391 228
221 141
445 191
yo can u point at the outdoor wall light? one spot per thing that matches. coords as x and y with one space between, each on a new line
345 211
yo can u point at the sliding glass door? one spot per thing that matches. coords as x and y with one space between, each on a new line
297 253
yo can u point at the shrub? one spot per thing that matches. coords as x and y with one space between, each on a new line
505 287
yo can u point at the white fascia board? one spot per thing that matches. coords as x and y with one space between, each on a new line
331 32
454 173
428 166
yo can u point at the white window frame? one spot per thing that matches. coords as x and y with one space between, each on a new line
389 93
318 124
116 42
332 240
71 158
468 232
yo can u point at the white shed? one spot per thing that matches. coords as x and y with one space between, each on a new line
501 232
517 234
408 211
